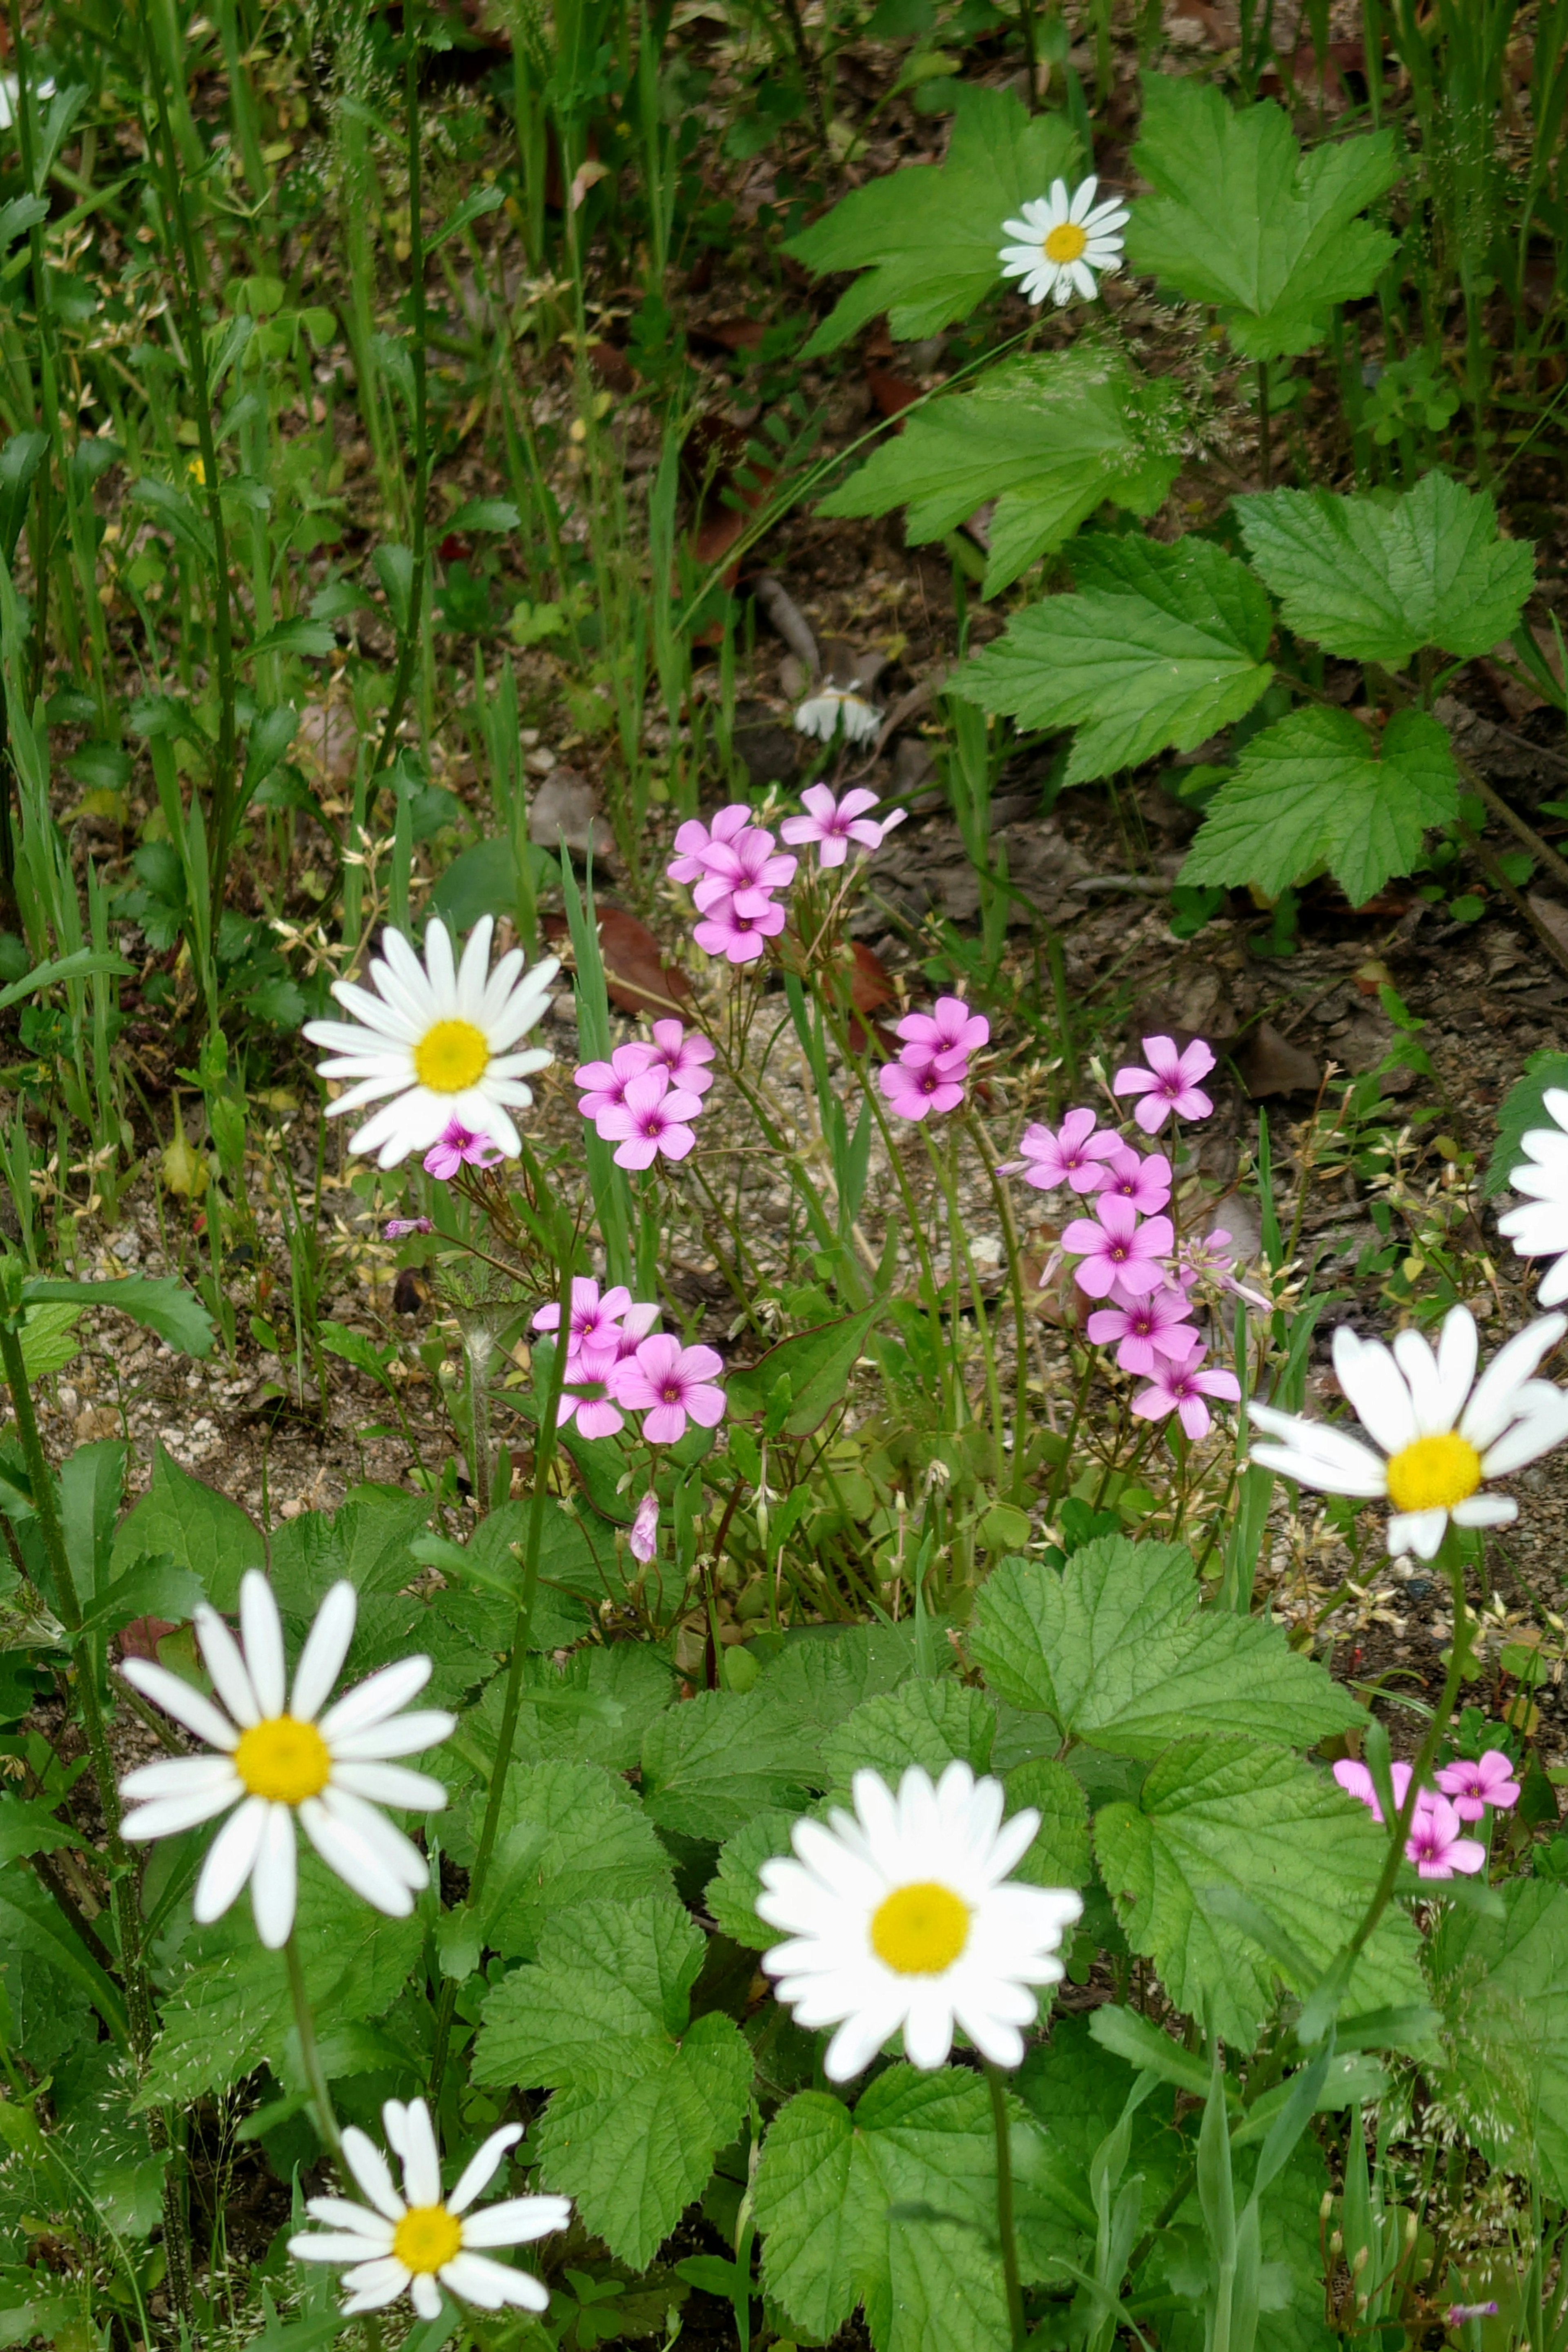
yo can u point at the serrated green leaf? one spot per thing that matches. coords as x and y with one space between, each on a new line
27 1826
707 1766
1116 1648
1523 1108
569 1832
1502 1986
49 1339
920 1723
152 1588
1236 1811
229 2007
1050 436
929 239
1060 1855
824 1673
1241 218
31 1923
731 1898
159 1302
1313 791
644 2100
848 2211
1376 578
1162 645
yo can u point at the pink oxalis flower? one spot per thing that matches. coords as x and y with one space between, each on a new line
594 1323
1356 1781
1141 1177
1183 1389
1169 1084
669 1384
1472 1788
696 841
458 1147
1074 1154
1114 1246
396 1227
644 1536
919 1090
684 1058
835 823
1436 1846
950 1027
604 1084
653 1119
741 938
1146 1331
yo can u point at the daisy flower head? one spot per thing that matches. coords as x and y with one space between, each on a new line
831 707
902 1915
416 2242
1439 1436
1539 1226
440 1039
277 1756
1061 241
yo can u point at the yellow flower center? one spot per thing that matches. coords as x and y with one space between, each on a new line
921 1930
1434 1474
1065 243
283 1759
426 2238
451 1058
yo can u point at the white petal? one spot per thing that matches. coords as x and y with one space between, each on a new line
1486 1511
338 2246
1372 1380
221 1656
421 2156
1417 1531
167 1816
405 1735
1533 1434
379 1695
372 2172
326 1647
1083 198
479 2170
390 1784
442 971
517 2221
425 2295
353 1861
1419 1367
490 2285
177 1698
375 2284
383 1838
230 1861
1554 1283
262 1630
274 1881
343 2214
473 969
1493 1405
177 1776
1457 1349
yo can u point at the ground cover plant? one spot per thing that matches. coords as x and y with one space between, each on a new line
785 1176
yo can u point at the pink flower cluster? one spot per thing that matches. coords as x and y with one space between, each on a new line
458 1147
733 867
835 823
644 1098
1463 1790
1127 1251
612 1350
932 1068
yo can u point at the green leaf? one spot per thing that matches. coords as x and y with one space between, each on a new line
644 2100
1313 791
894 2207
28 1826
1502 1986
730 1898
569 1832
158 1302
1060 1855
229 2009
1049 436
824 1673
1076 2090
365 1540
49 1340
929 239
818 1365
80 964
1242 219
197 1527
313 638
151 1588
32 1923
1162 645
920 1723
1234 1811
91 1482
1376 577
486 514
1115 1647
1523 1108
707 1766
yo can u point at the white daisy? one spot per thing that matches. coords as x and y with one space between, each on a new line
822 712
1062 241
276 1760
403 2245
438 1039
898 1916
1443 1432
1539 1226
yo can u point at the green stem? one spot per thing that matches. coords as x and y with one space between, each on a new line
1003 1200
996 2082
408 649
1265 445
543 1456
310 2055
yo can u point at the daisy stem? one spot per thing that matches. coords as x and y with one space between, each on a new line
543 1456
998 2082
310 2055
